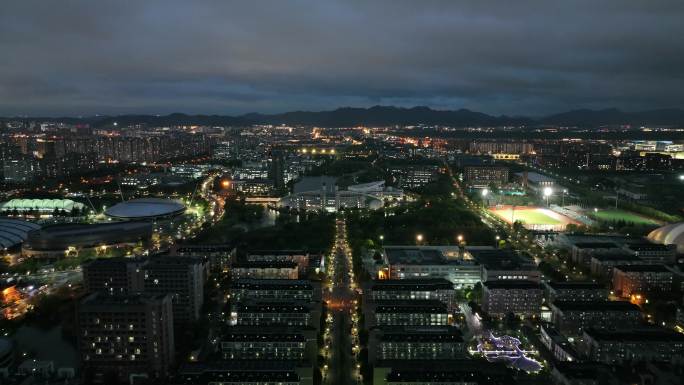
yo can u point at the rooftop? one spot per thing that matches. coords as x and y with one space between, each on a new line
414 256
422 306
650 334
596 306
643 268
512 284
576 285
596 245
412 284
272 307
497 259
266 284
264 264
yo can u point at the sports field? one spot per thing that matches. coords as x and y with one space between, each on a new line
536 218
614 215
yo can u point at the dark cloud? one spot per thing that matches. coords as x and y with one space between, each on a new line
513 57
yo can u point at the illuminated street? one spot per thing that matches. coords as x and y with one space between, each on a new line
341 299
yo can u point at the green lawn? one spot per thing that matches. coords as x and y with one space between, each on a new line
613 215
530 217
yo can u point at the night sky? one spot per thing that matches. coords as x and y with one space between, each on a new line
231 57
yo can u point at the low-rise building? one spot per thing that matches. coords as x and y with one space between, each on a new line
519 297
602 265
273 343
557 344
242 372
653 252
416 343
408 313
570 318
485 175
264 270
581 373
412 262
641 279
300 257
639 344
269 313
410 289
274 289
581 291
581 252
504 265
441 372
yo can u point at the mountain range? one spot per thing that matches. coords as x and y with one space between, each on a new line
386 116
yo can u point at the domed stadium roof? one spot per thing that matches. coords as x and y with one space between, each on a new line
669 235
146 208
14 232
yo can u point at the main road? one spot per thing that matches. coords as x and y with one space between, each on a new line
341 301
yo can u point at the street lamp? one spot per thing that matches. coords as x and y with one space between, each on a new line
419 238
547 193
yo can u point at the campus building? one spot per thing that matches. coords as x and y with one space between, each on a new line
181 277
242 372
579 291
411 289
642 279
504 265
416 343
264 270
270 313
123 336
637 344
582 252
414 262
274 289
408 313
115 275
300 257
523 298
258 343
570 318
654 253
483 176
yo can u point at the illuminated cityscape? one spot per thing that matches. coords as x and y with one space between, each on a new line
342 193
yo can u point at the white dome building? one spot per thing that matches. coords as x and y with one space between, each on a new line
669 235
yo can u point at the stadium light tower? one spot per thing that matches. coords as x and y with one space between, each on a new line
547 193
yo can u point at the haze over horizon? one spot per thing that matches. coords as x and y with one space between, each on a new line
526 58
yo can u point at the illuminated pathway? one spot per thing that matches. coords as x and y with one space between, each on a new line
342 339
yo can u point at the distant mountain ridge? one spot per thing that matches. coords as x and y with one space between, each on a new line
387 116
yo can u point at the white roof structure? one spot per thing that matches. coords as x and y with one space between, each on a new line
42 205
368 187
14 232
672 234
